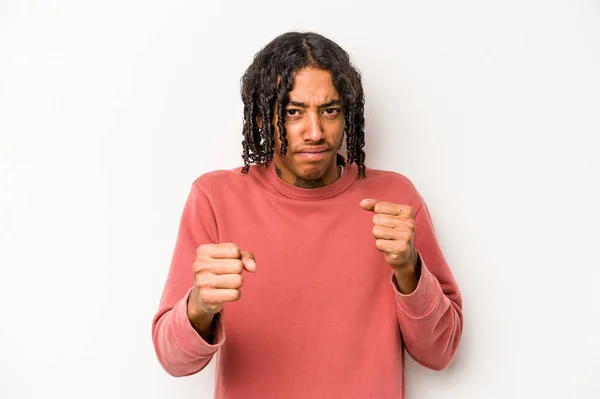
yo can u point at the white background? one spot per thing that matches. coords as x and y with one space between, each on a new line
109 110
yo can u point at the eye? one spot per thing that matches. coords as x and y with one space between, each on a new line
291 112
332 111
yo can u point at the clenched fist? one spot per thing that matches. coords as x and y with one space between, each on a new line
217 279
393 229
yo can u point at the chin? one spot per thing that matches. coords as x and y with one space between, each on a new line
313 173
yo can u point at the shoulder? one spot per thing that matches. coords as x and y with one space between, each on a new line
380 175
217 177
392 186
225 181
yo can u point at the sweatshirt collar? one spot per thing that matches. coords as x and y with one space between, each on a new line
331 190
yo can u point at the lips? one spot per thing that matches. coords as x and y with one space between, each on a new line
313 154
313 150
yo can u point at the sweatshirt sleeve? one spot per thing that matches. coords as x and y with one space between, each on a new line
180 349
430 317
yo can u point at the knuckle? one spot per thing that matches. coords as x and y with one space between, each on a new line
202 282
201 250
236 295
238 266
239 281
234 249
198 266
206 251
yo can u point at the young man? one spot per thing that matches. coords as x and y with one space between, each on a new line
339 264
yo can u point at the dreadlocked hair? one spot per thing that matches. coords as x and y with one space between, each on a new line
270 78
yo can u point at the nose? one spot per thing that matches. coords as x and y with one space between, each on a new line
313 131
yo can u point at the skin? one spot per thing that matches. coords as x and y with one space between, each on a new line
314 119
217 279
394 229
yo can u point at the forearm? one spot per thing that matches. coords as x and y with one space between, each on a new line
431 323
180 348
430 316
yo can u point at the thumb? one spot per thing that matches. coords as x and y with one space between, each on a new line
249 261
368 204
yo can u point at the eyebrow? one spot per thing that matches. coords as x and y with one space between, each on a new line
335 101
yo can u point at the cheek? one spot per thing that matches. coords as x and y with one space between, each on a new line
339 131
341 135
293 133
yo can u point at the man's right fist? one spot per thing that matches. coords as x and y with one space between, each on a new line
217 279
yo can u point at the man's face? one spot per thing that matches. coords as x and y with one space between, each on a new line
315 130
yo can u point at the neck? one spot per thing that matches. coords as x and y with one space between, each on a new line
332 174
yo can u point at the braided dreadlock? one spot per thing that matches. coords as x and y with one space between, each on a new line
270 78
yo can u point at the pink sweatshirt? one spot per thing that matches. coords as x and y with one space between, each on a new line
322 317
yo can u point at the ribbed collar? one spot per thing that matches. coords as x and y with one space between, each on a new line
331 190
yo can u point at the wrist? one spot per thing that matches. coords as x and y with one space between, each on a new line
407 276
408 267
201 321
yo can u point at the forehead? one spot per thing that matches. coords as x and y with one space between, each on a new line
313 86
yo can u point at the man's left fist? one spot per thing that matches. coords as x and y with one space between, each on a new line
393 229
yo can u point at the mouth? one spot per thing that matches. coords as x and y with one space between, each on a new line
313 155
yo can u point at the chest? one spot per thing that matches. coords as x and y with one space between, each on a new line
310 255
